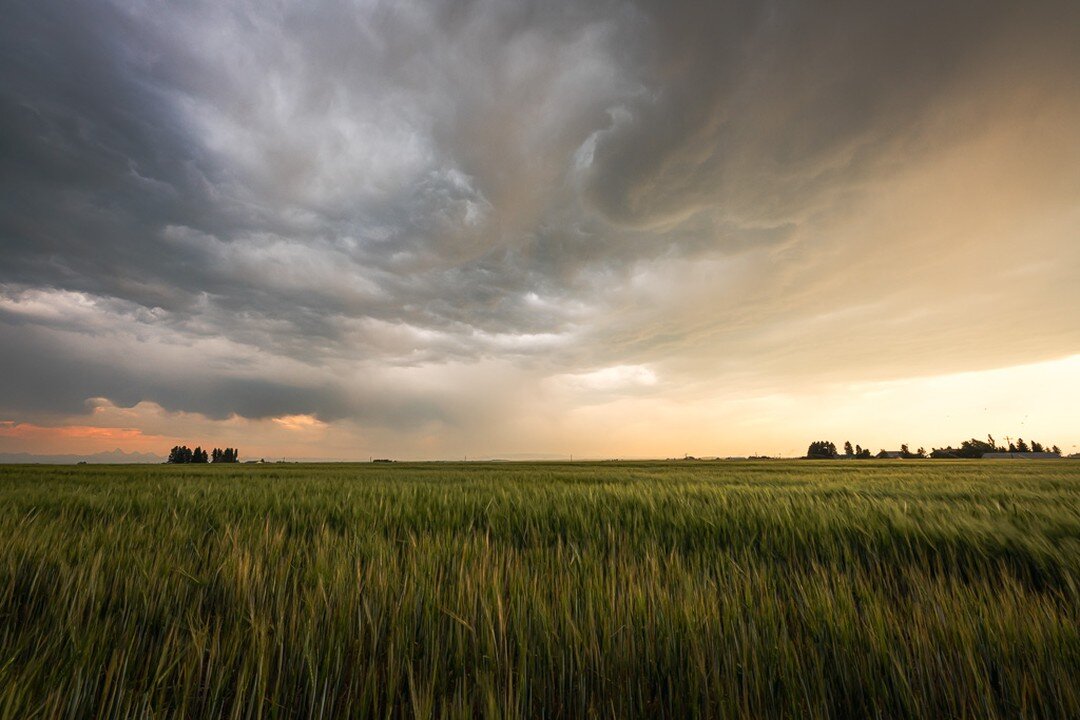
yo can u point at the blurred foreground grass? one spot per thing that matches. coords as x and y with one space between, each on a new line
755 590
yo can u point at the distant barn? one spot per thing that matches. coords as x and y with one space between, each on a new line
1021 456
890 455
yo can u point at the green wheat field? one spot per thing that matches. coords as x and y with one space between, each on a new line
931 589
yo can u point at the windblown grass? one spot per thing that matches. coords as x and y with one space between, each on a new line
755 590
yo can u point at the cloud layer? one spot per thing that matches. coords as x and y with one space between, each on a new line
417 219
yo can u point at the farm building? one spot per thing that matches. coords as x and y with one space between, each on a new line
1021 456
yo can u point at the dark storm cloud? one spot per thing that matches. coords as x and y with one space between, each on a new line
42 376
321 192
94 161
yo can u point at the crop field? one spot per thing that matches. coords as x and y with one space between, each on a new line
932 589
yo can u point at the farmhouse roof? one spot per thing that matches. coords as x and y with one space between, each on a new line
1021 456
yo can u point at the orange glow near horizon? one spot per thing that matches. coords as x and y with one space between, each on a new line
924 411
75 439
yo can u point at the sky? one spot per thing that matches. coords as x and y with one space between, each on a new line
343 229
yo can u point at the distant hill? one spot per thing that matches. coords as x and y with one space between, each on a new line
116 456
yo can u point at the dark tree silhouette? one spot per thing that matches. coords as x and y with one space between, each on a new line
180 454
183 454
821 450
848 450
228 455
977 448
970 448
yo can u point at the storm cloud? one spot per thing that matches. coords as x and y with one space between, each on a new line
400 214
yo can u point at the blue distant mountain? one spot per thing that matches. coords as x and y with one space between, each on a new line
115 456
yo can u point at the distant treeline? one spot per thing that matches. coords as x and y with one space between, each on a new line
826 450
977 448
184 454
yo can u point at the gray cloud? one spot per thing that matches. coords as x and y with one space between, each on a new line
764 110
291 200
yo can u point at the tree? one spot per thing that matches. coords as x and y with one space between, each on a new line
1056 450
905 452
184 454
179 454
821 450
976 448
848 450
946 452
228 455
